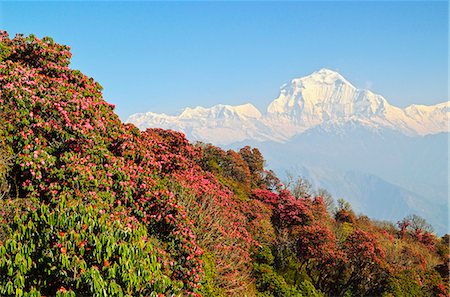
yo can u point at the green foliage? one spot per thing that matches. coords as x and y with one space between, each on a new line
288 282
270 282
343 205
209 287
343 231
306 288
79 249
5 51
6 160
264 256
235 187
9 209
409 283
403 284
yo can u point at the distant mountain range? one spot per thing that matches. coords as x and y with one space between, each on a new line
385 160
323 98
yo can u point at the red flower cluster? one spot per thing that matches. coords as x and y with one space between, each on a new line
69 144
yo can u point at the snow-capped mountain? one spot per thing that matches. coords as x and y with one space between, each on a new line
220 124
322 98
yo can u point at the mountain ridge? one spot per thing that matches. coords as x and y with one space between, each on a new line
324 97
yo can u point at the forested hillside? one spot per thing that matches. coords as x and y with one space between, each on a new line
94 207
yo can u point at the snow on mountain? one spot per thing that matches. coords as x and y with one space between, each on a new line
220 124
429 118
324 98
222 112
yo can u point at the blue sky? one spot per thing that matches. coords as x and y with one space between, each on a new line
164 56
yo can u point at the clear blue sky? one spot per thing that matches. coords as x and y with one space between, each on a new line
163 56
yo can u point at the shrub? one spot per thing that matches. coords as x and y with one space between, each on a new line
79 249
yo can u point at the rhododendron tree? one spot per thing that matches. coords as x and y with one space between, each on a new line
68 144
365 269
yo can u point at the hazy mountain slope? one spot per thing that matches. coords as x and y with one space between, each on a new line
358 163
419 164
376 197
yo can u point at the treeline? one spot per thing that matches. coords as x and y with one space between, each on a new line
94 207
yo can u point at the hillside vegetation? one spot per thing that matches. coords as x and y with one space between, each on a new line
94 207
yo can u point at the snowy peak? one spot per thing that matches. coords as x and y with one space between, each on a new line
324 95
427 109
248 110
221 111
219 124
426 118
322 99
323 76
199 111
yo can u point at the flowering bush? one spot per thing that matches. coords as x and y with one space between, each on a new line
69 145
